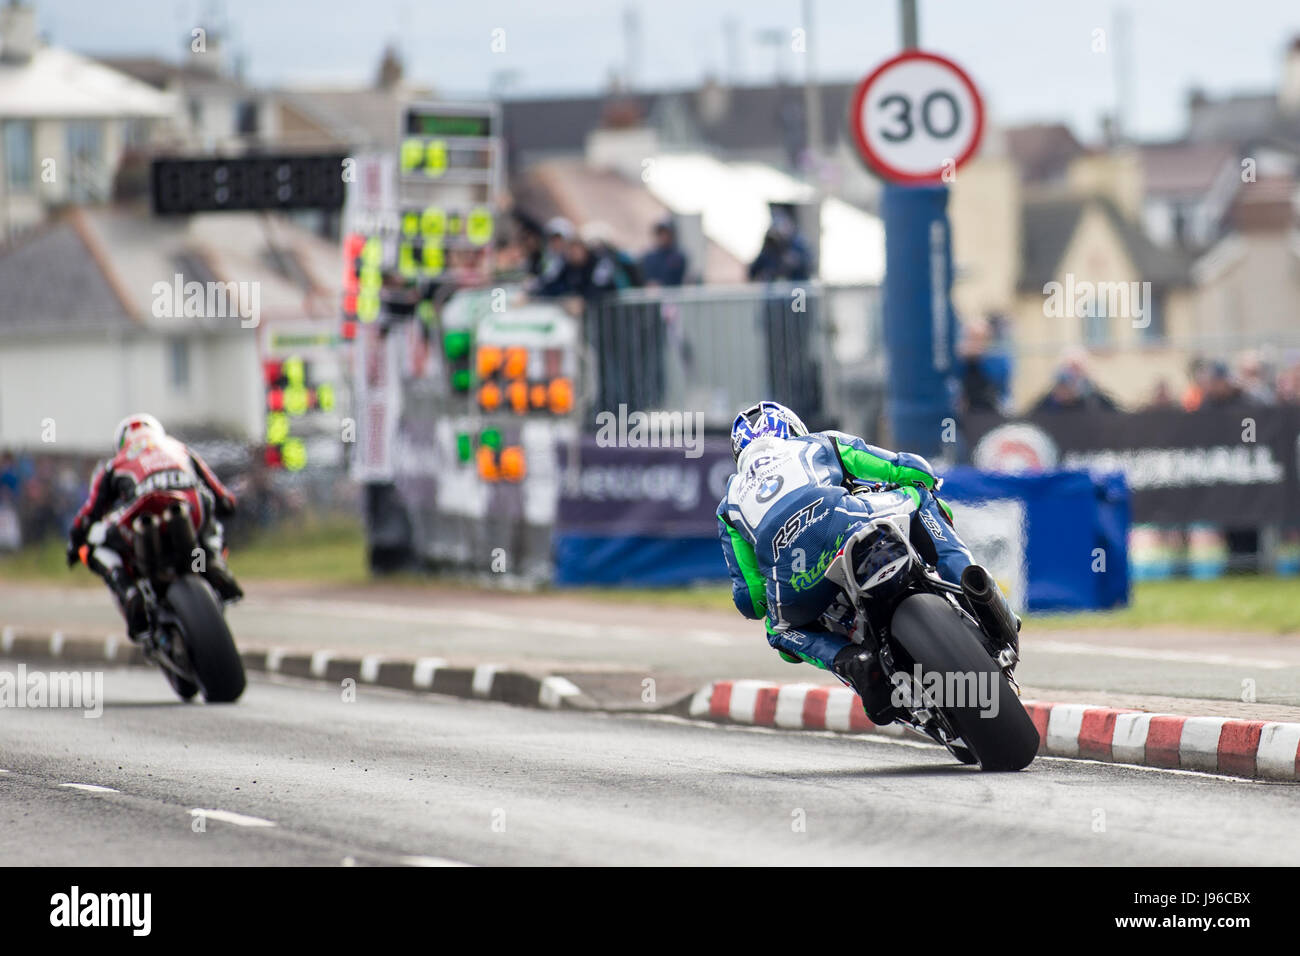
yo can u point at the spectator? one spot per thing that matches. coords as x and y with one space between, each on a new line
664 264
1194 394
1288 384
1073 389
1252 379
1220 390
983 378
1161 398
612 268
556 277
784 255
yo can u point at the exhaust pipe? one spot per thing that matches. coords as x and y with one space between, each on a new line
148 542
990 606
180 536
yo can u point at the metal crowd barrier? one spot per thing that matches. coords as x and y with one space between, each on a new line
714 349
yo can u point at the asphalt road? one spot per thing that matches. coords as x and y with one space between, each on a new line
298 776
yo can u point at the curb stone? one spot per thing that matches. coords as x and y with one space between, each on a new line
1264 750
429 674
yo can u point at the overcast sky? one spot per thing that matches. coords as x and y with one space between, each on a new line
1033 59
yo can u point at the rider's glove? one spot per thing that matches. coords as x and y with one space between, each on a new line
74 553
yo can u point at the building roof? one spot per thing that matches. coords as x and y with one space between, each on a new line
52 281
1235 118
1042 151
162 74
1049 224
356 117
98 268
731 118
62 84
1178 170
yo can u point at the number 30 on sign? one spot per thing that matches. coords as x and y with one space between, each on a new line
917 118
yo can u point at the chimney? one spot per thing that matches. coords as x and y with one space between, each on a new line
17 32
390 69
208 56
1288 92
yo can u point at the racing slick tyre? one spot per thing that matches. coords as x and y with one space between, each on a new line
185 689
929 633
218 669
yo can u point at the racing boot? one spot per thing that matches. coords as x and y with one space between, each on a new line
130 601
860 668
218 575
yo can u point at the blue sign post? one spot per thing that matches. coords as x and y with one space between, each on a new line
916 119
920 327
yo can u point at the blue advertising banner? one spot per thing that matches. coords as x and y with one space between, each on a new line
640 516
1055 542
645 517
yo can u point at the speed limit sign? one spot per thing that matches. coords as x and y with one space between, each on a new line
916 117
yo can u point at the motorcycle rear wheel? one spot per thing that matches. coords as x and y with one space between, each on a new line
218 669
928 632
185 689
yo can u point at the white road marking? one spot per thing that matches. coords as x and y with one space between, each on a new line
56 644
273 658
236 819
1152 654
89 788
7 639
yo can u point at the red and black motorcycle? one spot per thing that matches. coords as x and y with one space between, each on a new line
187 634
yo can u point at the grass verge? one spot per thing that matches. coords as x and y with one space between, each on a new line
333 552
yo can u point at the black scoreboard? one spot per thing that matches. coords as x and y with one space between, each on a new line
290 181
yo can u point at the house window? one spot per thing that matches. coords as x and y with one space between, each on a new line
135 132
1097 325
19 155
1154 330
85 141
179 365
246 118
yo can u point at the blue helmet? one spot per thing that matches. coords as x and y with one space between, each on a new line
764 419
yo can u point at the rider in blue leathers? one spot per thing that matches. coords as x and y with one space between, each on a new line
795 499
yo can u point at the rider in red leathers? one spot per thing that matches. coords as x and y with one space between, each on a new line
147 462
